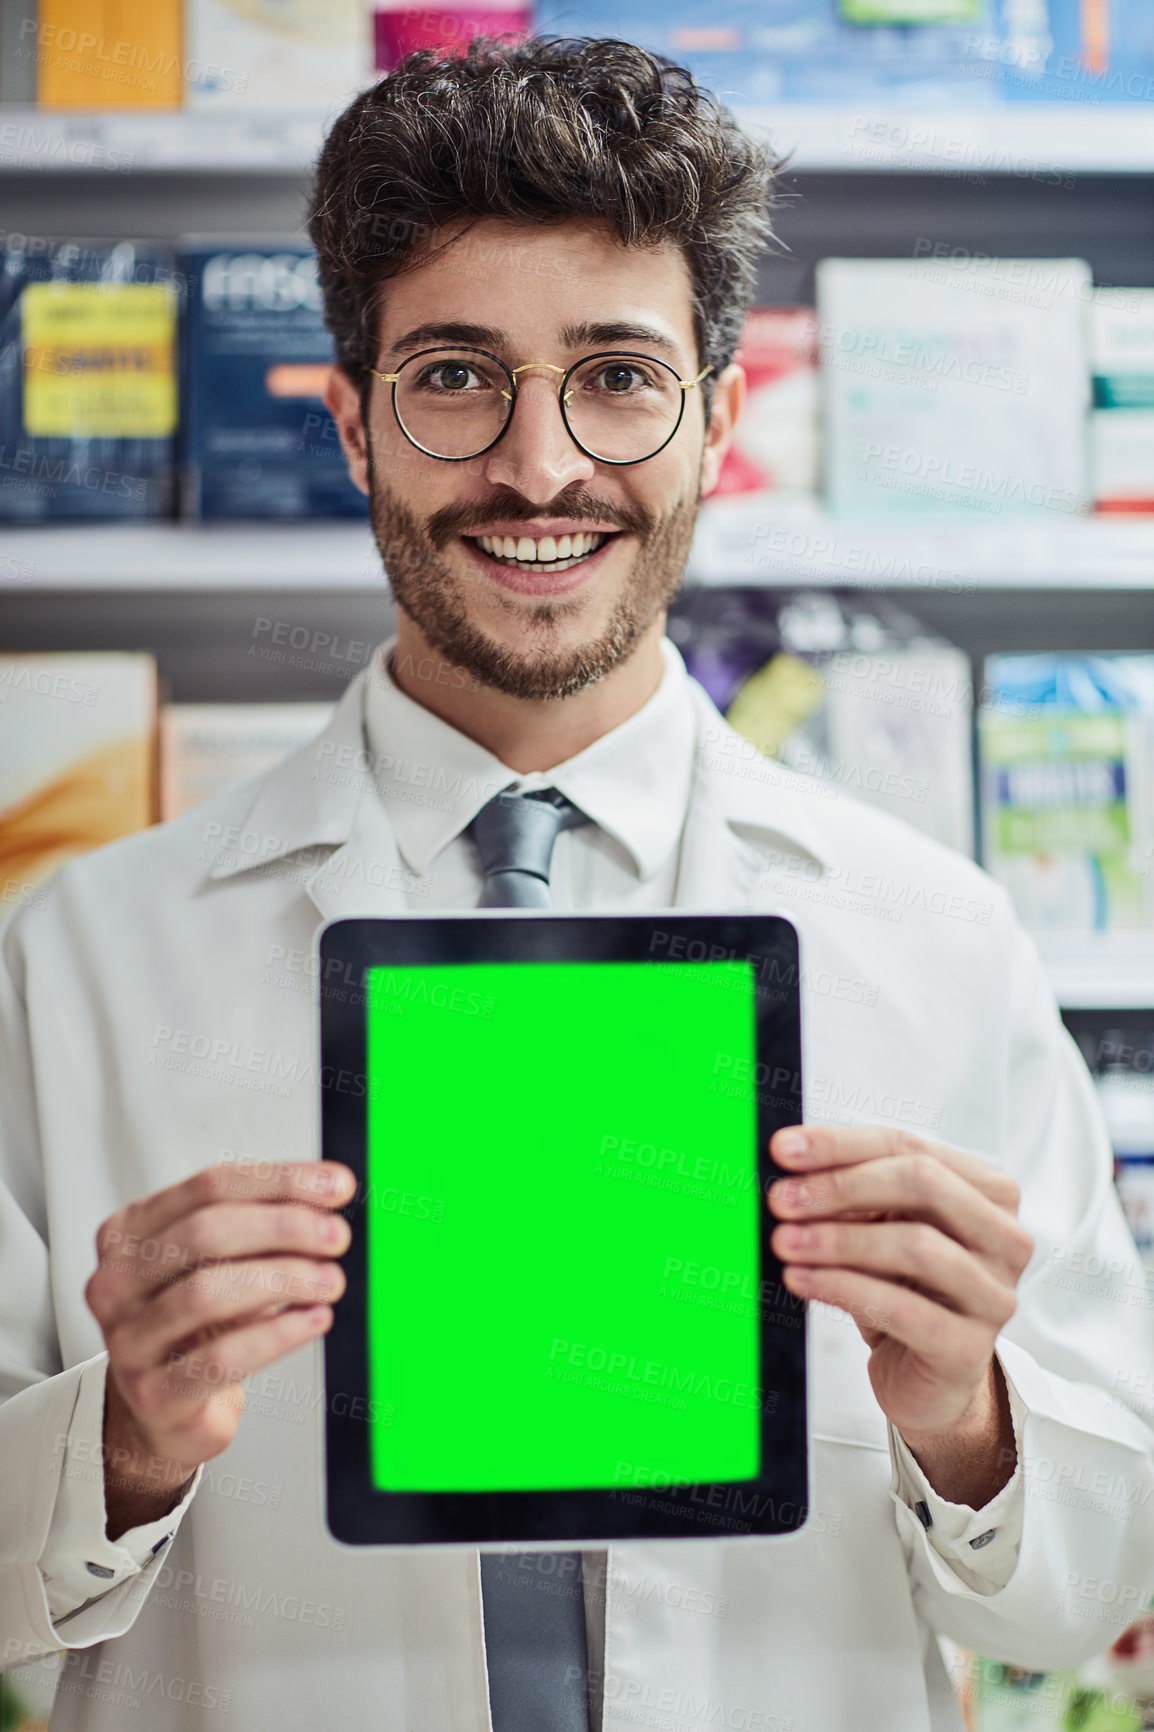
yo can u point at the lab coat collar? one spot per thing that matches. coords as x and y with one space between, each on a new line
323 796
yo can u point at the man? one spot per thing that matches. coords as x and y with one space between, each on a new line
536 262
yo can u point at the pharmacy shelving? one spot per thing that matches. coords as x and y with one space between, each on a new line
226 606
753 540
1101 970
178 556
1015 139
739 541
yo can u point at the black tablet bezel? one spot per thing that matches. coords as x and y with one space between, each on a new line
358 1513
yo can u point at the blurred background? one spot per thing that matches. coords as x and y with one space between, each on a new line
927 574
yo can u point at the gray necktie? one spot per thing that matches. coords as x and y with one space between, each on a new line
515 834
534 1601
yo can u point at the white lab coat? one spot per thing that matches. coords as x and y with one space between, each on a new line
152 1022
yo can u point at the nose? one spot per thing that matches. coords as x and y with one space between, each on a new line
536 456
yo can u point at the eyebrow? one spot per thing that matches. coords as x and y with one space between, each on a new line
605 333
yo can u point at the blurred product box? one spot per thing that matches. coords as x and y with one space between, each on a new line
1067 788
208 748
88 387
109 54
1083 51
856 694
1122 460
1127 1099
1009 1699
775 444
256 438
1122 422
929 55
400 28
285 56
27 1694
79 761
912 11
955 385
18 56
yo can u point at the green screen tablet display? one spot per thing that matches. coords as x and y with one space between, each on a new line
561 1192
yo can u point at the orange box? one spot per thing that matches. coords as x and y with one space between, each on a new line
109 54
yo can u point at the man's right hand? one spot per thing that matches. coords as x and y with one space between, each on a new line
195 1288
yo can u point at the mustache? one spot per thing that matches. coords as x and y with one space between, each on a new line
464 516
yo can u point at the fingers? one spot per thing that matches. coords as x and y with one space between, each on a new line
915 1186
136 1266
957 1347
215 1298
806 1148
909 1252
319 1184
192 1401
232 1357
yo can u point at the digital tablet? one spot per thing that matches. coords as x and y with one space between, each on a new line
564 1323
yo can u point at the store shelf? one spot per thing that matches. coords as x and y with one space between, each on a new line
1102 138
1101 971
170 556
760 540
1031 140
182 141
753 541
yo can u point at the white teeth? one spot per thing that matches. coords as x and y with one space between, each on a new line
544 554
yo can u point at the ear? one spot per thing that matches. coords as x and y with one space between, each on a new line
728 397
343 402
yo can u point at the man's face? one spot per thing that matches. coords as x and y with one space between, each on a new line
530 293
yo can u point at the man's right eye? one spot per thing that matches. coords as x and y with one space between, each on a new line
451 377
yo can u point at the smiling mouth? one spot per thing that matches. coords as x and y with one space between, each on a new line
548 553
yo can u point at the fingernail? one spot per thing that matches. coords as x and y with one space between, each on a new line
333 1230
794 1142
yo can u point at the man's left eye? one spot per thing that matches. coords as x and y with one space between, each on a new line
621 378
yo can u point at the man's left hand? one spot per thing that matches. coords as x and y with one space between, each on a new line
922 1246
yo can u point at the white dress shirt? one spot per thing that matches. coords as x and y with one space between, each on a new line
158 1013
633 783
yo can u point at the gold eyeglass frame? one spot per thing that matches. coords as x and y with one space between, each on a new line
563 396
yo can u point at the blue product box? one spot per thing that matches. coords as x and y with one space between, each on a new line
761 52
756 53
256 439
88 380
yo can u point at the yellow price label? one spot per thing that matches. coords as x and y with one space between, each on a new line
99 360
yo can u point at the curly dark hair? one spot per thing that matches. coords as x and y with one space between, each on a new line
540 131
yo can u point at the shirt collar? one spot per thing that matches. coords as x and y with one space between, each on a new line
633 782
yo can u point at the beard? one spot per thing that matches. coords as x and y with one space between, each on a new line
426 589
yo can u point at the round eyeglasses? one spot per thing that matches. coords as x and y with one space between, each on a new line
617 407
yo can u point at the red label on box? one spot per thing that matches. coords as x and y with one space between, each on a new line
404 30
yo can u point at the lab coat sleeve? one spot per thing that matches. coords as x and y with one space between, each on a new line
1079 1354
980 1546
39 1399
80 1565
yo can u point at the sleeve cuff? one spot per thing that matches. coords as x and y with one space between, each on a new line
980 1546
79 1562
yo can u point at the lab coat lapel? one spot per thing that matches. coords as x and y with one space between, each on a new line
320 809
718 870
365 876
